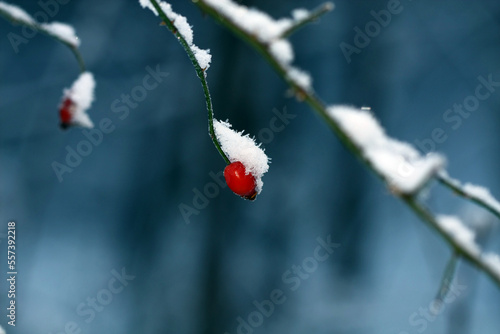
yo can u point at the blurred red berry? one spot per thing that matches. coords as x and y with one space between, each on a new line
239 182
66 113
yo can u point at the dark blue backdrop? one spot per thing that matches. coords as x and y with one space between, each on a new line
107 250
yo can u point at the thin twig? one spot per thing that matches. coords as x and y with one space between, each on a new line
37 26
448 275
200 72
313 16
464 252
456 188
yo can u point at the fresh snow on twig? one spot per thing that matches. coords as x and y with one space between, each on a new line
399 163
267 31
16 13
459 232
282 50
300 14
181 24
481 193
301 78
62 31
463 237
202 56
251 20
81 94
477 193
242 148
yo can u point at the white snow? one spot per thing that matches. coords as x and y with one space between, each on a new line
474 192
300 14
282 50
460 233
62 31
444 175
251 20
242 148
82 95
180 22
202 56
149 5
464 237
481 193
492 260
399 163
59 30
301 78
16 13
268 31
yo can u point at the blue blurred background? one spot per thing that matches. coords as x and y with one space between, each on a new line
117 213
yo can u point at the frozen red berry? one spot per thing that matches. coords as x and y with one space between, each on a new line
66 113
239 181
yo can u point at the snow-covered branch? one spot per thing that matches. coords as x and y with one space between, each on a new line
460 237
400 165
61 32
266 35
178 25
477 194
303 17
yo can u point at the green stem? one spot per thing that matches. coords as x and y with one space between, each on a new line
316 104
78 56
459 191
459 250
313 16
40 28
448 275
200 73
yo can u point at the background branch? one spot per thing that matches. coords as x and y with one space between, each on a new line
316 104
476 194
17 15
311 17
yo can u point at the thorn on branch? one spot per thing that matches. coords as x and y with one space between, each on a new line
300 95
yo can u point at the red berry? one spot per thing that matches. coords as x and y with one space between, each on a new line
239 181
66 112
